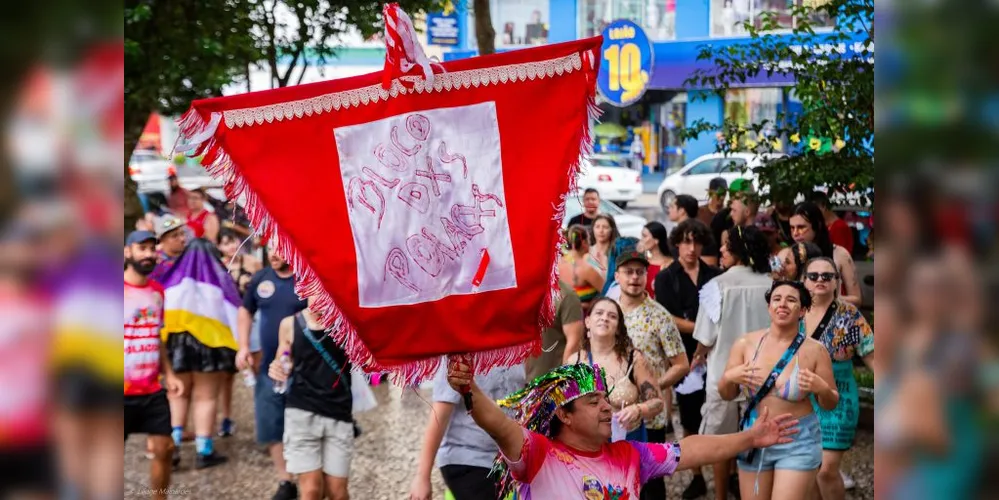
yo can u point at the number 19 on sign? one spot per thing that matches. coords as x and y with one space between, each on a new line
627 62
625 65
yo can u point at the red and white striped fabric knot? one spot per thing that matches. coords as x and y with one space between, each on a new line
403 50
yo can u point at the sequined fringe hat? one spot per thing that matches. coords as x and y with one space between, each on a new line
534 406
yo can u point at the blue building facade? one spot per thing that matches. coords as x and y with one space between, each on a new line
677 28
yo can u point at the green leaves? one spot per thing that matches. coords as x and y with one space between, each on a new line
830 142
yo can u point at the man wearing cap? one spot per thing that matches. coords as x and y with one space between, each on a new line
744 204
559 445
172 241
654 334
717 191
146 408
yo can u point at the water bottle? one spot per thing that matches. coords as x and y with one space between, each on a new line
249 378
285 359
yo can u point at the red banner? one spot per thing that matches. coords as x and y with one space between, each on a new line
424 213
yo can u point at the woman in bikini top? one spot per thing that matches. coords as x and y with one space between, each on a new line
753 357
776 370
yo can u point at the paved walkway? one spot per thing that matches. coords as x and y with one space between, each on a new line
384 461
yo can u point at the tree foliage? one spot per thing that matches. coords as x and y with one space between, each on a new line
180 50
296 34
830 142
176 52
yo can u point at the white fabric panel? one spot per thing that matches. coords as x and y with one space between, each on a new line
425 197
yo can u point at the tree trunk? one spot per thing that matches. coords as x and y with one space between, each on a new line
135 121
485 35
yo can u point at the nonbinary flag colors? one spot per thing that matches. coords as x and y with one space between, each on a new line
201 298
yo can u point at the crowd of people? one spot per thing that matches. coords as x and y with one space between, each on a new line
742 320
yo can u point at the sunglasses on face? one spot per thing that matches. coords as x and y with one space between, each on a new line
821 276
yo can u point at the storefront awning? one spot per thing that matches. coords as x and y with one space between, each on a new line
675 61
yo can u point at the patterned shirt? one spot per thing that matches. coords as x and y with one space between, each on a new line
549 469
848 333
655 335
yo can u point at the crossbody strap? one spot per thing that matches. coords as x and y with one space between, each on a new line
821 328
327 357
771 379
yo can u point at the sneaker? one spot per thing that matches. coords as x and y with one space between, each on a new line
227 429
848 482
175 461
210 460
696 489
733 487
286 491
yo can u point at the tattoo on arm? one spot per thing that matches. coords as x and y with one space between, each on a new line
649 393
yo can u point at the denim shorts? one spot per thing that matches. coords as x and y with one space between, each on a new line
802 454
269 411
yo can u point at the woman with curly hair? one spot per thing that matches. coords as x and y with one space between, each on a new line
631 389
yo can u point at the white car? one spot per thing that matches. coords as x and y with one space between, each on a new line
627 224
145 166
694 177
611 178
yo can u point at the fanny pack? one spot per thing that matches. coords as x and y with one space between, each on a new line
749 416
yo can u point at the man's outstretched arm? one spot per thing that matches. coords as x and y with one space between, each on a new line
697 451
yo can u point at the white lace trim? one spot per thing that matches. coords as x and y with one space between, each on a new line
711 300
443 82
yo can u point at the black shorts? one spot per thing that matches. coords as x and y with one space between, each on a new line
187 354
149 414
469 483
81 390
690 410
27 470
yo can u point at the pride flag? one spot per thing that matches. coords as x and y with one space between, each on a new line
201 298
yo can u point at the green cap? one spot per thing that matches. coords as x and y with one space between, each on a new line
741 186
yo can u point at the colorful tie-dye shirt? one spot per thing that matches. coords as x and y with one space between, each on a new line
548 469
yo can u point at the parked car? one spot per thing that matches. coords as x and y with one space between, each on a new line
694 177
627 224
610 176
146 165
